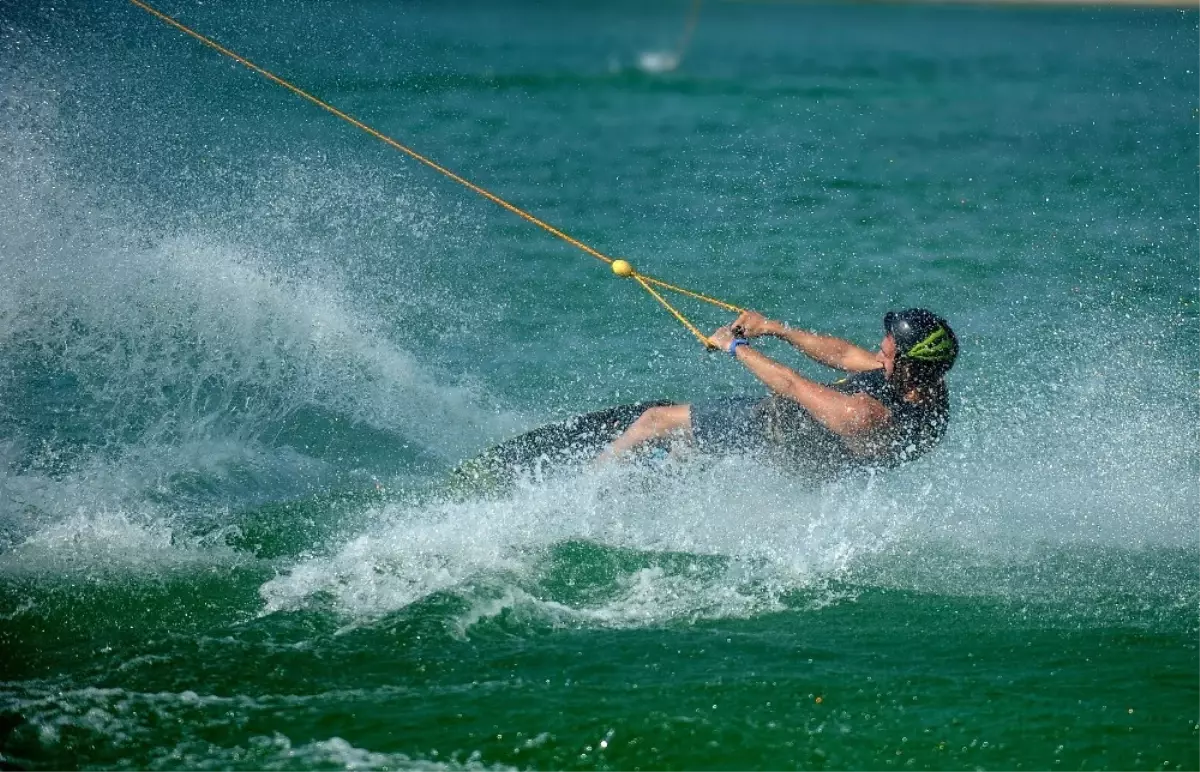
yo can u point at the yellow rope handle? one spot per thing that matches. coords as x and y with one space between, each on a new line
682 319
689 293
644 281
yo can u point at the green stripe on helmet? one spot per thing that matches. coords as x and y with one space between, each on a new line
936 347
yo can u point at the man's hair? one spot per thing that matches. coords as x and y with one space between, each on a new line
918 373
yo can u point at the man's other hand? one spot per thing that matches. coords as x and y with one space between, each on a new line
752 324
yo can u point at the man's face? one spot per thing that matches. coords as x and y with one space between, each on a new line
887 354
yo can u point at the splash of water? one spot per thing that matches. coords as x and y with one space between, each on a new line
187 364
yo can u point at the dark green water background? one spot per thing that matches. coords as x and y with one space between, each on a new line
241 344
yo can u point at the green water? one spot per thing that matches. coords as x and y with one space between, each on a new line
242 344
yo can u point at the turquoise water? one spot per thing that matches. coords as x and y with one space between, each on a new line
242 344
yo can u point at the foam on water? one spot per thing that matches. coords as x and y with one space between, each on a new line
773 534
279 752
118 722
114 544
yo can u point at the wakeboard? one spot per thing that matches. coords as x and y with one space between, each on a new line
570 443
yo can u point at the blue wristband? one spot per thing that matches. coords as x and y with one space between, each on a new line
733 344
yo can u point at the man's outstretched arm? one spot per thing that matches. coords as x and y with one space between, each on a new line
826 349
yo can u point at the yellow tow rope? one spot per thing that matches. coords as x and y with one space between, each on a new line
619 267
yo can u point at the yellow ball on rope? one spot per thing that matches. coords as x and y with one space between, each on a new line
622 268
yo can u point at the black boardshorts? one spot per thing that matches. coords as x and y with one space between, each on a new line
729 424
777 430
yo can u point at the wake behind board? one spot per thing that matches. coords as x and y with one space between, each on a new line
573 442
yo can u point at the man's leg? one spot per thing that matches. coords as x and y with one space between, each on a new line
654 423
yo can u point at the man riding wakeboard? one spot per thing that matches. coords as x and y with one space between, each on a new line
892 408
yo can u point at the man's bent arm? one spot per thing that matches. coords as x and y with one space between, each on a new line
847 415
828 350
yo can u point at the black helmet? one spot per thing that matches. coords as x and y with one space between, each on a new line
922 336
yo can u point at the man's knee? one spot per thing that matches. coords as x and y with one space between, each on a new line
665 418
650 418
